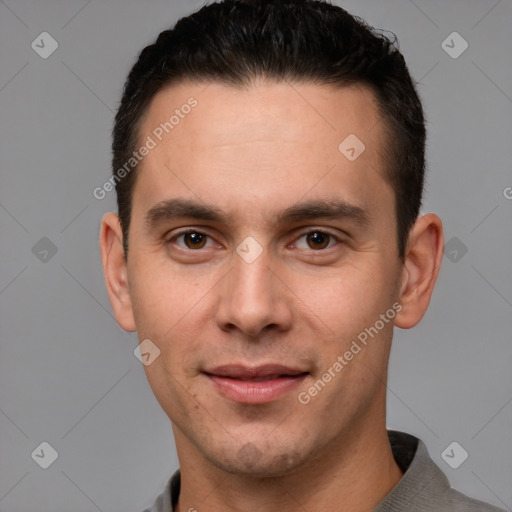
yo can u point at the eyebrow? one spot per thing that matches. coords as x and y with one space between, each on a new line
177 208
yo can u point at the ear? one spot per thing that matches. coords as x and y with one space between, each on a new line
421 267
115 271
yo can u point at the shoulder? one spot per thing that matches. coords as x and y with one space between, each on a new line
157 505
458 502
165 502
424 487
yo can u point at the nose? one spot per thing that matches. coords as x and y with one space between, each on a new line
253 298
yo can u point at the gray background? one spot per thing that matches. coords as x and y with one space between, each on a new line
68 375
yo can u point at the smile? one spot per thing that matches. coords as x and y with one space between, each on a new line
258 385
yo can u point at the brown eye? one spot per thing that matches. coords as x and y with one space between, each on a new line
191 240
194 240
317 240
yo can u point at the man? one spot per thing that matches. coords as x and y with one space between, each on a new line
269 165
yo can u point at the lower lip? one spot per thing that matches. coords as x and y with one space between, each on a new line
256 392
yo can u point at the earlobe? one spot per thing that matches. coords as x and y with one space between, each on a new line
115 271
421 268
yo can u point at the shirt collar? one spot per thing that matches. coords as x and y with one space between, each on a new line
421 479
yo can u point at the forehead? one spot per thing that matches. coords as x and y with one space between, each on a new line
273 139
265 109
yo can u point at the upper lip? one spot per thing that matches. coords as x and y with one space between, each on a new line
238 371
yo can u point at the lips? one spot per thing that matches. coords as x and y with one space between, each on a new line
255 385
265 372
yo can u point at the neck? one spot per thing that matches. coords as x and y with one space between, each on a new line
353 474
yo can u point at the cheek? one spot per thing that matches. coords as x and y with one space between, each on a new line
163 299
172 310
348 300
170 390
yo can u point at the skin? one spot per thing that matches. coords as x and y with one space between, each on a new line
298 304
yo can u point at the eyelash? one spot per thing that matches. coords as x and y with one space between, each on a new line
305 233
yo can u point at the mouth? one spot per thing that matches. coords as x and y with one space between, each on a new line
255 385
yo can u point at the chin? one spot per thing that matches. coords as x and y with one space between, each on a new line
253 459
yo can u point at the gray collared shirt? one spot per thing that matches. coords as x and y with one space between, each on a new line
423 487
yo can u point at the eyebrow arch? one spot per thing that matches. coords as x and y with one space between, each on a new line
319 208
327 209
181 208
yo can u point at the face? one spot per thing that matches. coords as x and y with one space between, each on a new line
260 258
